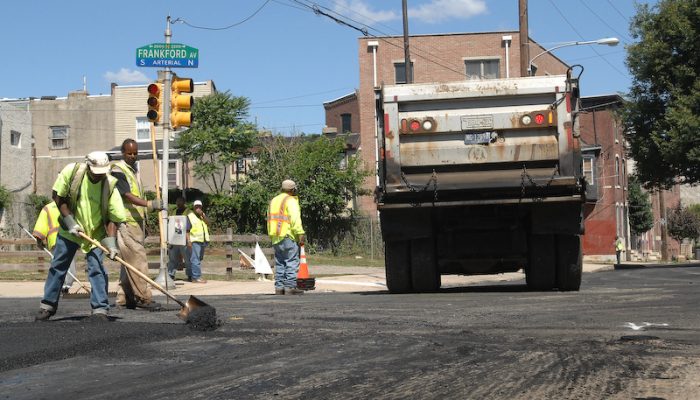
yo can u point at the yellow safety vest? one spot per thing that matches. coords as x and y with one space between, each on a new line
46 226
619 245
135 213
199 231
284 218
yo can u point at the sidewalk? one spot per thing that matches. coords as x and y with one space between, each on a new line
370 279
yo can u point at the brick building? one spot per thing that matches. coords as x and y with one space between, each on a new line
434 58
605 168
449 57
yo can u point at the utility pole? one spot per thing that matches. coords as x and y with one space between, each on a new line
163 277
664 225
406 53
524 39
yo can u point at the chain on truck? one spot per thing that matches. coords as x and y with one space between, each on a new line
481 177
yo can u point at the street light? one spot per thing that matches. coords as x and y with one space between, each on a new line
607 41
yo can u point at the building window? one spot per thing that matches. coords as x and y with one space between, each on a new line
588 170
624 173
173 173
400 71
59 137
346 123
143 129
483 69
15 138
617 171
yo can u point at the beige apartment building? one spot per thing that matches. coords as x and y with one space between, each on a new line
65 129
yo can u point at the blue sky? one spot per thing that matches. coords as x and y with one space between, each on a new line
285 58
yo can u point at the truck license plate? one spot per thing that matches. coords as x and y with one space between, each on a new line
477 138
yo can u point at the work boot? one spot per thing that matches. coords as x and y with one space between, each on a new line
293 291
279 290
43 315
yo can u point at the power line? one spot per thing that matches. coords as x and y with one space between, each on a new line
603 54
618 11
415 49
290 5
316 8
582 38
603 21
181 20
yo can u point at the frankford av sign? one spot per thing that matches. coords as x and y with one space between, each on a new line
175 55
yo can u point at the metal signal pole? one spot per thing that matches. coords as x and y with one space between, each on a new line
163 278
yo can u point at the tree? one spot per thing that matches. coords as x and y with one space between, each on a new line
324 186
640 212
663 115
218 137
683 224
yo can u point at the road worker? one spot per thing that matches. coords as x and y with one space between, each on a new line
176 253
88 204
619 248
133 290
45 232
197 241
287 235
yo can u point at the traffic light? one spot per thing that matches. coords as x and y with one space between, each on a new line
154 102
180 114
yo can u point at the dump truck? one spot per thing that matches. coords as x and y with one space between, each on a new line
481 177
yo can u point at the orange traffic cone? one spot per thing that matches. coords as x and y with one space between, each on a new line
304 282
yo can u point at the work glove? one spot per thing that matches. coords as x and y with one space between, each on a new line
302 240
72 226
155 204
110 242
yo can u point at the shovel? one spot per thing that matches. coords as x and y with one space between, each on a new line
188 307
87 289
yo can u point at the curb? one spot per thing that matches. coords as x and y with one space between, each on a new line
642 266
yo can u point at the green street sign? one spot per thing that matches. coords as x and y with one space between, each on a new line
174 55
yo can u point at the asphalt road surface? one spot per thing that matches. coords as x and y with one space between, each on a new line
628 334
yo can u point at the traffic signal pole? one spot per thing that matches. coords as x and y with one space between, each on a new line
163 278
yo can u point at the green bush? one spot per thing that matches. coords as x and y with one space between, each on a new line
221 210
5 197
36 203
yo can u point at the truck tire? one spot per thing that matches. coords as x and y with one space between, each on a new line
540 273
397 266
569 262
424 273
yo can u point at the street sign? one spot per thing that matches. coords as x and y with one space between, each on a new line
174 55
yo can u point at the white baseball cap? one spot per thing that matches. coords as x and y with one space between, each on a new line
197 203
288 184
98 161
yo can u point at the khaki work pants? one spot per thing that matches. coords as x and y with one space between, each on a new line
132 289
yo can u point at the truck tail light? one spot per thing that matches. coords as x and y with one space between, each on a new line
539 119
418 125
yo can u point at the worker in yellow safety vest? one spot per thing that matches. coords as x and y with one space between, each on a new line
88 203
619 248
197 241
45 232
133 291
287 235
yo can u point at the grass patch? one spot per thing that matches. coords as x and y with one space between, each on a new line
33 275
